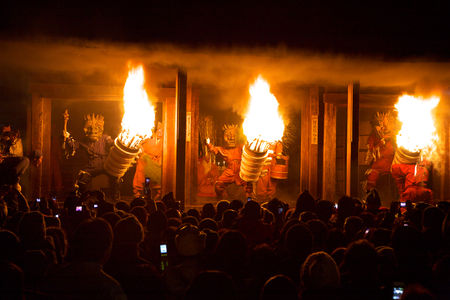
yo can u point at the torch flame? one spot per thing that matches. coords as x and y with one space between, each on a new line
139 117
418 132
263 121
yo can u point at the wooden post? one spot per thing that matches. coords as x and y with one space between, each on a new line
312 143
445 163
192 108
352 182
169 146
329 153
41 140
181 97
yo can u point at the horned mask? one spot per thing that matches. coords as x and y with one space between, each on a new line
229 135
93 126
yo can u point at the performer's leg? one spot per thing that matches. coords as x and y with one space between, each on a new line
399 177
372 177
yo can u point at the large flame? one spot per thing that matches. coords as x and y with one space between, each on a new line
418 132
139 117
263 121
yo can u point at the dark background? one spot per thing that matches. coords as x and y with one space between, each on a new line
393 29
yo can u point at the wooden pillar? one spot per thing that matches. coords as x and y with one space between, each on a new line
192 110
169 146
445 163
181 97
312 143
41 109
352 181
329 153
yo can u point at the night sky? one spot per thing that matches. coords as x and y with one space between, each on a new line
392 29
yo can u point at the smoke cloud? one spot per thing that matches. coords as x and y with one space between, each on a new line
227 71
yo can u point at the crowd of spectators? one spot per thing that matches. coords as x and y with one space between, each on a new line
90 248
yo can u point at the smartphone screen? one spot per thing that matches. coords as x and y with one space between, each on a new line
249 199
280 210
336 205
79 208
163 249
397 292
38 199
95 205
57 215
402 204
147 180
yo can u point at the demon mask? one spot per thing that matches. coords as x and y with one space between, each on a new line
229 135
384 124
93 126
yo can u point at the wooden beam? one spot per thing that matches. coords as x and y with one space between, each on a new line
181 97
366 100
329 153
84 92
352 181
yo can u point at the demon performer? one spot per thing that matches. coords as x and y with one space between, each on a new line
381 149
148 166
12 162
92 151
232 154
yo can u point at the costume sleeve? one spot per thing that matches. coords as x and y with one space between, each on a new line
216 150
70 147
17 148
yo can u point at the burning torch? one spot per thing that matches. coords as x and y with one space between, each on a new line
416 141
262 126
137 124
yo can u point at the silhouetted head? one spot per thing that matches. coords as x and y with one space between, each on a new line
112 218
305 202
319 271
122 205
32 227
360 263
140 213
208 223
279 287
299 241
10 246
138 202
251 210
325 210
189 240
208 211
128 231
92 241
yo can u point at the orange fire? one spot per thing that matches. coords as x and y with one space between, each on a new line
263 123
139 117
418 131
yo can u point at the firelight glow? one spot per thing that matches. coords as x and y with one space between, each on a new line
139 116
418 131
263 121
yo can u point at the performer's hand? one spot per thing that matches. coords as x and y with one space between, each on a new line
66 134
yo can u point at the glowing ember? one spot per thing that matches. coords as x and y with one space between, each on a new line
139 117
418 132
263 124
